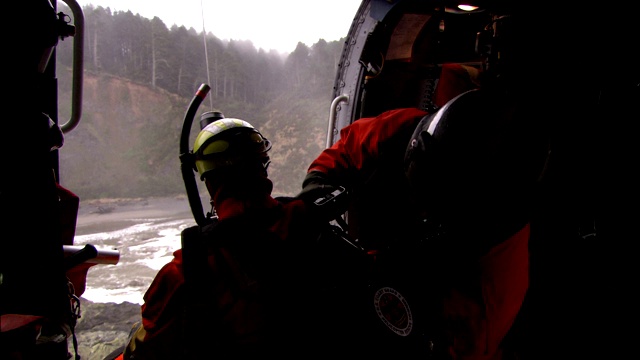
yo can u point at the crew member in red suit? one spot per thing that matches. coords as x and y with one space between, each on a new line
255 276
457 187
368 158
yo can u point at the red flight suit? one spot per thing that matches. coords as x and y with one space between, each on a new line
481 302
249 319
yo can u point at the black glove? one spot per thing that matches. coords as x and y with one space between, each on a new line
327 200
315 185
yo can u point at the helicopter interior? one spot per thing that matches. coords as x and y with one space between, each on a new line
575 80
404 58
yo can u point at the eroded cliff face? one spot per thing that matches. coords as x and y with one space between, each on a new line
127 142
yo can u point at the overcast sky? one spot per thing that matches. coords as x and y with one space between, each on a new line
276 24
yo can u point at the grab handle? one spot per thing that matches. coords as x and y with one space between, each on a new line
332 116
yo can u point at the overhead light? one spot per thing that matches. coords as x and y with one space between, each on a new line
465 7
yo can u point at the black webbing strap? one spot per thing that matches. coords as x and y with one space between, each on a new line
194 263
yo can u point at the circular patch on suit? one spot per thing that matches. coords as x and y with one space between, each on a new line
393 309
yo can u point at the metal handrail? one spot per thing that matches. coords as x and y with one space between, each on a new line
78 67
332 116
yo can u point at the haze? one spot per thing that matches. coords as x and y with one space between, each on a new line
270 25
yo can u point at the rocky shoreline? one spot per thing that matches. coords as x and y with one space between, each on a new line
103 328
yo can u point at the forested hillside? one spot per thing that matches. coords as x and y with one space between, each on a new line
139 79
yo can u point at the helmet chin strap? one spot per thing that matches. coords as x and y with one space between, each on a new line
266 164
211 214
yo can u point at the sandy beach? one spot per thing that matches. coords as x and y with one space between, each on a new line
103 215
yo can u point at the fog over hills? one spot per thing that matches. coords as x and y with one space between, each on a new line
127 142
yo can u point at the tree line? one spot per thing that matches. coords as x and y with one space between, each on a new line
178 59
